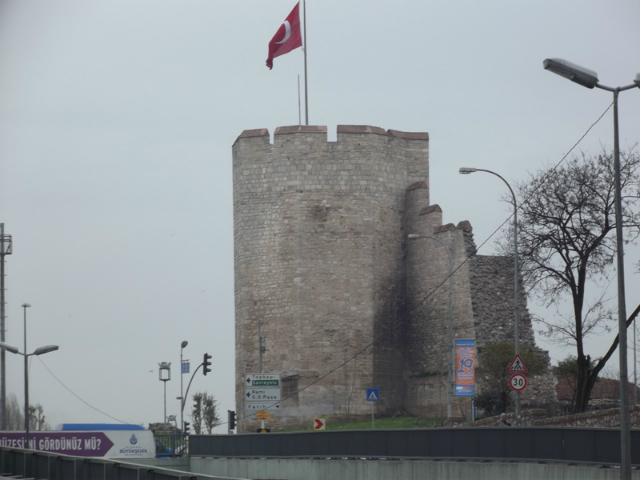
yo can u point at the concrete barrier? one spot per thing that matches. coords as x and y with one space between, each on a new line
298 469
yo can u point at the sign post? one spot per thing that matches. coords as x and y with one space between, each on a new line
262 395
319 423
518 382
517 365
373 395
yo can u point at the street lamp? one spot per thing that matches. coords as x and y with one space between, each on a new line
589 78
164 374
516 290
5 249
413 236
37 351
182 372
26 370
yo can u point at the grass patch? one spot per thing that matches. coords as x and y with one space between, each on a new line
384 423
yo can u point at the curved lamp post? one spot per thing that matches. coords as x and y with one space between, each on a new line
516 296
589 78
37 351
413 236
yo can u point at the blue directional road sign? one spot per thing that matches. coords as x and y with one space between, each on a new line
373 394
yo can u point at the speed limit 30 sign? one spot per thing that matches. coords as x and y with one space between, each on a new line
518 382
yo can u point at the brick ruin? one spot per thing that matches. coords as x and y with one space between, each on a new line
322 259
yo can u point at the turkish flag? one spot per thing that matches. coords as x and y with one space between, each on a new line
287 38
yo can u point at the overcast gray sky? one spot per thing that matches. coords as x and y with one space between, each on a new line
116 125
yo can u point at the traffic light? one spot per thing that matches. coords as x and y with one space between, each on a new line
186 428
206 364
232 419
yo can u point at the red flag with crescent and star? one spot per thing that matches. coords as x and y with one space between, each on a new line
287 38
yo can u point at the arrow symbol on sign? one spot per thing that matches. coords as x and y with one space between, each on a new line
318 424
248 380
248 395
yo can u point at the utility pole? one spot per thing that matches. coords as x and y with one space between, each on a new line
262 348
5 249
261 345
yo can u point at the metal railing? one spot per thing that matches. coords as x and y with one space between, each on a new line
171 445
556 444
52 466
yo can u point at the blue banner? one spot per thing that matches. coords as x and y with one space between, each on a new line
185 366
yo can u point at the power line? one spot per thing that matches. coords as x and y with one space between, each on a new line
75 395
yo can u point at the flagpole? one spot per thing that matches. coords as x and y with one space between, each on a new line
299 114
306 97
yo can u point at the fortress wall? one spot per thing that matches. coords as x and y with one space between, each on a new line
492 297
427 346
318 257
322 257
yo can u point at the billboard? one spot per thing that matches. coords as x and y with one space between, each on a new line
106 443
465 367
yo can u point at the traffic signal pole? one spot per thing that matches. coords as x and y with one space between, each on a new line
182 401
231 421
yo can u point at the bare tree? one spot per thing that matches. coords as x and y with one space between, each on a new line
197 412
15 416
210 412
205 411
15 419
37 420
567 370
566 242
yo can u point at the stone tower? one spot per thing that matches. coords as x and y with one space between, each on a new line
345 301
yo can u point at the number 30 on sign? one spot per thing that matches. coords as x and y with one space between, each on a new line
518 382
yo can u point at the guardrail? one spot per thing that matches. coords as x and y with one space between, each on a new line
556 444
52 466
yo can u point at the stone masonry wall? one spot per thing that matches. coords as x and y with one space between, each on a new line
492 298
482 310
427 343
609 418
318 258
346 300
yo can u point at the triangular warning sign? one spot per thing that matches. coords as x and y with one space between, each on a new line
517 365
373 396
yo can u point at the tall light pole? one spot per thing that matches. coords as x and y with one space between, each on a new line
164 375
5 249
516 288
450 336
182 372
589 78
38 351
26 375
